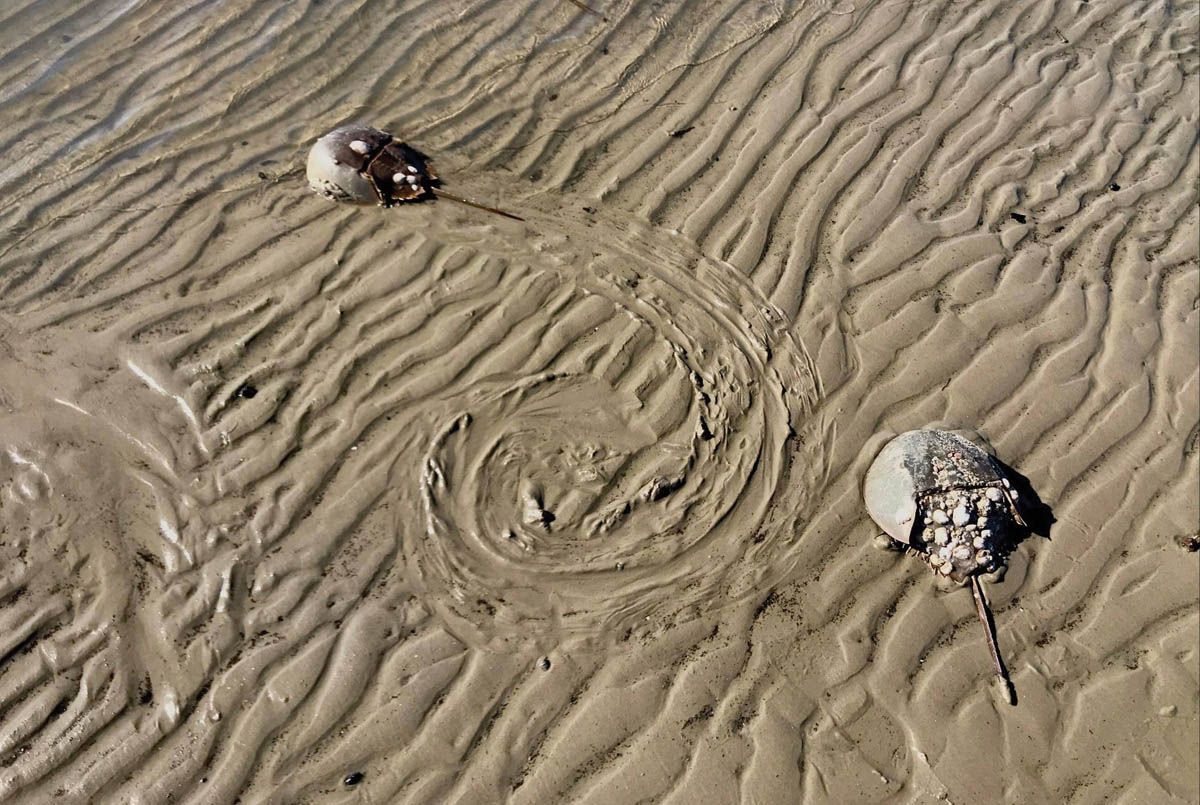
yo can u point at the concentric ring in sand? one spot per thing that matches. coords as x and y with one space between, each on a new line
592 503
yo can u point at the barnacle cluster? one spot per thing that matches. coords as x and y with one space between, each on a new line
965 531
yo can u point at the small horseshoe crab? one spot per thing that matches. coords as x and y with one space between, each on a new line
949 502
363 165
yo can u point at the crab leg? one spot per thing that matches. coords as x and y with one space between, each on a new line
437 191
989 629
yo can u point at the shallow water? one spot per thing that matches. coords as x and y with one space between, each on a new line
570 510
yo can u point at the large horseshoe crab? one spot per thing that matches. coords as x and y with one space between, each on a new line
364 165
949 502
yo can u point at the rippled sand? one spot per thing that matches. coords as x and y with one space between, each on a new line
302 502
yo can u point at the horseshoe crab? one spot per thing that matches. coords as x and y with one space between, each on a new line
945 499
361 164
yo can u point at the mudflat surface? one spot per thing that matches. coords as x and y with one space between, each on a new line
302 502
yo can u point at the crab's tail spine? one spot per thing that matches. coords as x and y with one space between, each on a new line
437 191
989 628
582 6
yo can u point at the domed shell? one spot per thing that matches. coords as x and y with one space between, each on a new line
336 163
917 462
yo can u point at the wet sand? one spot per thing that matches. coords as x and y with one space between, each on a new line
305 502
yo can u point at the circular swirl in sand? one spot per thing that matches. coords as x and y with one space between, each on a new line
592 503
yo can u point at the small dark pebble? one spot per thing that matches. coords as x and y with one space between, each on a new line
1059 228
544 663
1018 217
1114 186
589 210
353 778
680 132
247 392
1190 544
